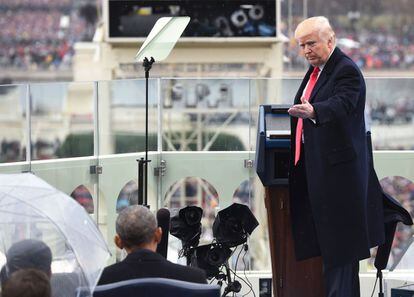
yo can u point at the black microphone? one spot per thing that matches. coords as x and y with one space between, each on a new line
163 218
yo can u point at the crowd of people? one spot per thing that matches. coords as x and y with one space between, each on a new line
371 50
379 50
35 3
400 111
40 35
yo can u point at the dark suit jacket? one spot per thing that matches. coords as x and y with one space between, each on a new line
336 209
145 263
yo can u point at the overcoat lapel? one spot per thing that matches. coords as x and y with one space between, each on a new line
322 79
303 85
326 72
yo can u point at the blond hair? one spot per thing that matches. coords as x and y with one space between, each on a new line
318 24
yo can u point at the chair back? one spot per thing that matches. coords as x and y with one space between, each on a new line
156 287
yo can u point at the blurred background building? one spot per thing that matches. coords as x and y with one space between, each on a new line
38 40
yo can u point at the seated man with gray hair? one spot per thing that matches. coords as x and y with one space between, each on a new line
137 232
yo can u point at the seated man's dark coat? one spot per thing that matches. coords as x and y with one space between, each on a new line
145 263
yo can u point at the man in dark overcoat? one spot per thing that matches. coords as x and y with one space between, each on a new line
335 212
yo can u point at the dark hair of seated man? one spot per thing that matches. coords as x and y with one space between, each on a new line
27 283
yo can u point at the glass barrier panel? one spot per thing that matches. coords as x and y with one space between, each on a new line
73 177
62 120
269 91
273 90
119 187
13 127
390 112
205 114
122 116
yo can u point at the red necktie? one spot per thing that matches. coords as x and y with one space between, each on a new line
299 126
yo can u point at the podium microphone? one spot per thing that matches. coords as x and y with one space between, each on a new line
163 219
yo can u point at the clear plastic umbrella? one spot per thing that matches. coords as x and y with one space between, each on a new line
31 210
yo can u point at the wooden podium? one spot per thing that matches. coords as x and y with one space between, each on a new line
291 278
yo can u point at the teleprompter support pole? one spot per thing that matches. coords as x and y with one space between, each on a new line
143 163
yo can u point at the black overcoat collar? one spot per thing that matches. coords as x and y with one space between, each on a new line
323 77
144 255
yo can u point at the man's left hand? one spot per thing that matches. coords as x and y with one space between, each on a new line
304 110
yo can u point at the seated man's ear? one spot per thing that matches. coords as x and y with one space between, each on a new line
157 235
118 242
